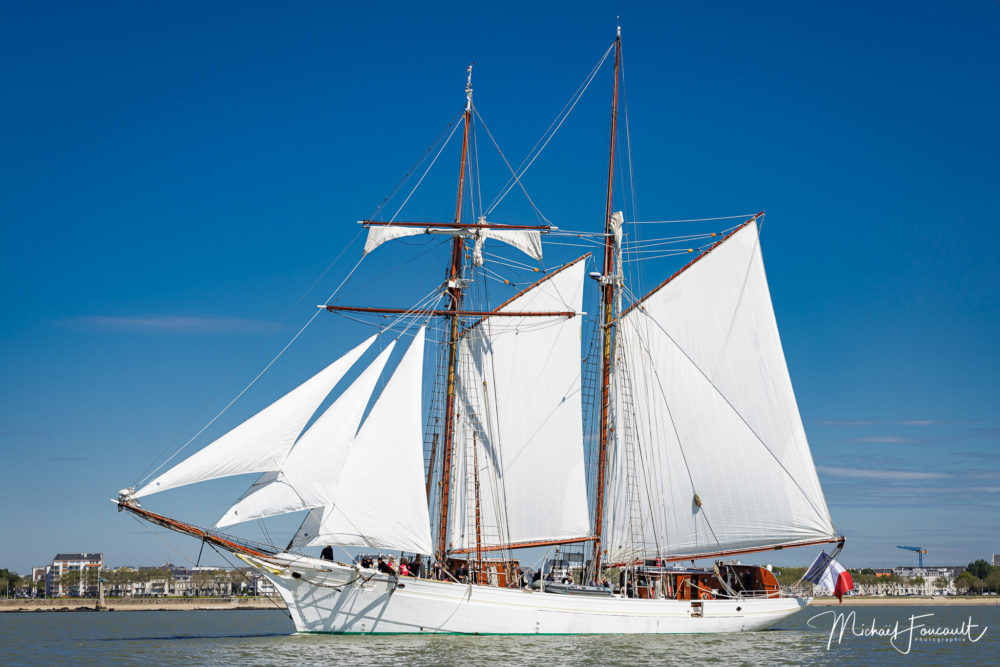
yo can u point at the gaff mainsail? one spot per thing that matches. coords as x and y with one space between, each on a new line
703 392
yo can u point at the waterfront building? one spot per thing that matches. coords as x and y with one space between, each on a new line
925 580
260 585
151 581
169 580
908 580
73 575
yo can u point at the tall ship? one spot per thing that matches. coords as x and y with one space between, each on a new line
616 444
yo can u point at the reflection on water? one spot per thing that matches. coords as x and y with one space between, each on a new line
265 638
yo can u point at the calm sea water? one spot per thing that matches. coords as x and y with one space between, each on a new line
265 638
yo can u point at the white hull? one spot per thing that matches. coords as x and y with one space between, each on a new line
334 598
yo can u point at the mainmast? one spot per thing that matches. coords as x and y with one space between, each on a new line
608 287
455 290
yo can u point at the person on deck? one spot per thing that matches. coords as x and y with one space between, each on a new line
327 553
416 567
384 567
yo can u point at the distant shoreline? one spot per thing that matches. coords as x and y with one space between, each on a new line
139 604
908 600
220 604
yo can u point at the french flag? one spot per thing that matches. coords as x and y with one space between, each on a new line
829 574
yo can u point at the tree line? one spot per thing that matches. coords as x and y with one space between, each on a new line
979 577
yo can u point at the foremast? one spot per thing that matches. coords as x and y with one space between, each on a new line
609 286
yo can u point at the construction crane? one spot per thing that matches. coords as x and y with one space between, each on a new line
917 550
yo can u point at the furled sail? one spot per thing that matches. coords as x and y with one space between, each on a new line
261 443
519 421
719 457
313 466
527 241
380 500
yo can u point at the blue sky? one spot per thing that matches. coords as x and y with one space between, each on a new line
176 176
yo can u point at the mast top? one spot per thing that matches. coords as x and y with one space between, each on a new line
468 88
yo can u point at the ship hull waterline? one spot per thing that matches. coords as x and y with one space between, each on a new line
331 598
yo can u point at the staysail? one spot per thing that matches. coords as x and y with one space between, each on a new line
312 468
519 420
261 443
702 394
380 500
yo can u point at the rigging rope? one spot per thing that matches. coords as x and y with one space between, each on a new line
426 171
258 376
406 176
243 574
667 222
432 244
512 263
513 173
160 537
564 113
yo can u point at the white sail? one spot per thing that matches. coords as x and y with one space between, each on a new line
312 468
311 526
380 500
527 241
721 458
261 484
261 443
519 410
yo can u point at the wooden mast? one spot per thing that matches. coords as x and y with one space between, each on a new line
607 302
455 290
479 530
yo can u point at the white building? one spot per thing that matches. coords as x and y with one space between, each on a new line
60 583
930 575
261 585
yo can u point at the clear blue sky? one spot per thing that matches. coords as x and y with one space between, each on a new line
174 177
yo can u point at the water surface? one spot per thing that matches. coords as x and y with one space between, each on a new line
265 637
